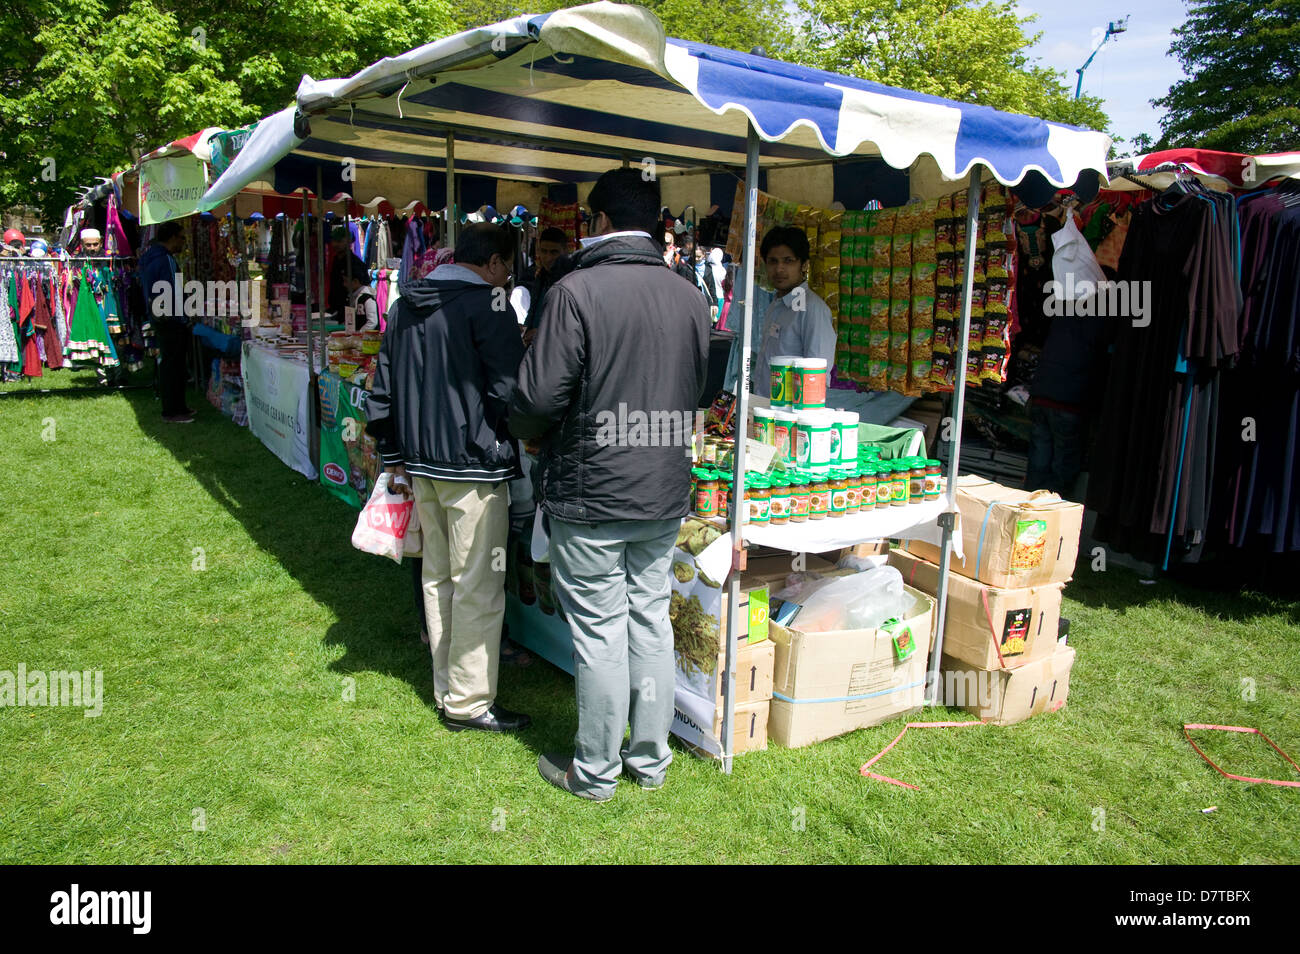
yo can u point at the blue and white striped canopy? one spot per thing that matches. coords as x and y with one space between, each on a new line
563 97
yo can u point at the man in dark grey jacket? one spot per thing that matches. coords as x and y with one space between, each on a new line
438 414
611 386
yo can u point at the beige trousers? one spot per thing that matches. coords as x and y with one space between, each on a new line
465 526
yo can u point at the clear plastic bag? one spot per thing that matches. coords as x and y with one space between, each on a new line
858 601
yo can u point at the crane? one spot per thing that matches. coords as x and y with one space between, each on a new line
1114 28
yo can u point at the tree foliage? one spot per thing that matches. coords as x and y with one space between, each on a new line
87 86
1242 94
966 50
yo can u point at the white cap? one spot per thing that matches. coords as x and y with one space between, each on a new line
90 234
847 417
782 360
787 416
763 412
810 363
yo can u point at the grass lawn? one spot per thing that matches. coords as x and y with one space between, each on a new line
224 699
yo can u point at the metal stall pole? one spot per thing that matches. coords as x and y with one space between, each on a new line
451 226
946 520
320 261
306 258
739 509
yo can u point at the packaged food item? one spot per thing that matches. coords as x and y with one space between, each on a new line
779 371
819 503
810 391
899 478
371 341
759 498
705 491
839 487
846 423
779 499
813 439
763 430
867 490
800 498
933 480
916 480
783 435
855 489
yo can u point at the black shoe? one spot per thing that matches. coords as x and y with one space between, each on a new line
554 767
496 719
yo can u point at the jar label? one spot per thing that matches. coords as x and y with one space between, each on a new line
839 500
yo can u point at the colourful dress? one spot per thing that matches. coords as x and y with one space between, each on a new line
89 340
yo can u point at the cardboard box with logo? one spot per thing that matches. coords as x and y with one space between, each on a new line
987 627
828 683
1008 696
1011 538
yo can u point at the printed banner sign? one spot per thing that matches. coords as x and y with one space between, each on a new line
171 187
349 465
276 392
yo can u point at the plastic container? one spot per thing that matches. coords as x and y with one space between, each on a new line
810 392
779 368
724 495
813 441
762 430
784 425
846 423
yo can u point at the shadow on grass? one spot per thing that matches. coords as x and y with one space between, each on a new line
308 531
1239 586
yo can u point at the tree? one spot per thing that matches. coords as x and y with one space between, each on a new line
966 50
1242 92
87 86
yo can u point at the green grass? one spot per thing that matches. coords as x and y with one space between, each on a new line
224 692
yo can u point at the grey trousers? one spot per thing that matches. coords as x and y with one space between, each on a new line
613 582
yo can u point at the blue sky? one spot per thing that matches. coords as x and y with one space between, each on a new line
1131 69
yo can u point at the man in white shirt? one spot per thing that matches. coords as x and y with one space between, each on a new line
792 321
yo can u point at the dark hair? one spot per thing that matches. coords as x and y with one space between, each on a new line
627 198
357 269
477 243
795 239
553 235
168 231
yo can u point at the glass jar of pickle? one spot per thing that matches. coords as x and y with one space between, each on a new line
819 497
780 499
759 497
916 480
868 487
724 494
839 484
933 479
899 475
800 498
855 489
884 484
706 490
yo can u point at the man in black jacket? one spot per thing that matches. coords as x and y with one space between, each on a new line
611 386
438 414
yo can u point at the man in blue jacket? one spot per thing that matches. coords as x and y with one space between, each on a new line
438 415
159 275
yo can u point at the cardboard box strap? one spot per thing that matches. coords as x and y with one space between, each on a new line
1240 778
865 695
866 772
988 614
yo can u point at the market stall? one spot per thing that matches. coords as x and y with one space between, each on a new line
568 95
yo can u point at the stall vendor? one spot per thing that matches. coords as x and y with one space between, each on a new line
361 297
790 320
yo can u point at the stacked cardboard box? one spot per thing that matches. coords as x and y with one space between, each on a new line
1001 656
830 683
